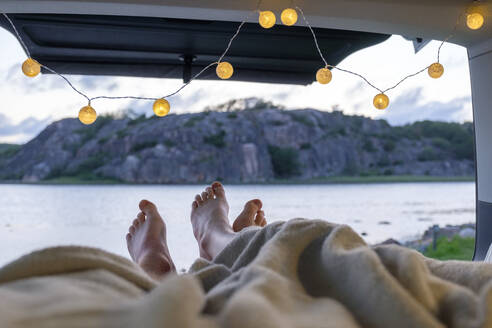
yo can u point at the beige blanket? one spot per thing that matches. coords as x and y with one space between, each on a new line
302 273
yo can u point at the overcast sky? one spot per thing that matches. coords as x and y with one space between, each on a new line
28 105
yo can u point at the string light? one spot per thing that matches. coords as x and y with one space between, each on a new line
83 113
436 70
224 70
381 101
87 115
474 21
267 19
289 16
31 67
161 107
474 16
323 75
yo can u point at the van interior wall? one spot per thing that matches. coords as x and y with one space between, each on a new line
480 59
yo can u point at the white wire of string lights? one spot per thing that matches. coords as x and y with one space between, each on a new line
224 70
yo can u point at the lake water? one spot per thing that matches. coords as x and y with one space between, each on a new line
37 216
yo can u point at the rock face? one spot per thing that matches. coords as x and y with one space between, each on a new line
250 145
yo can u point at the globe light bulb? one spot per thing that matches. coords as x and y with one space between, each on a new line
289 16
30 67
87 115
323 75
267 19
381 101
474 20
224 70
436 70
161 107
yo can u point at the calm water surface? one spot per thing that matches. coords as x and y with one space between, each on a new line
34 217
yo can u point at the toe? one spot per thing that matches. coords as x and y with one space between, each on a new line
148 208
247 217
194 204
141 217
204 196
199 199
128 237
260 219
132 230
218 189
257 202
136 223
210 192
253 206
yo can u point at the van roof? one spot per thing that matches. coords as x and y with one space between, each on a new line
180 48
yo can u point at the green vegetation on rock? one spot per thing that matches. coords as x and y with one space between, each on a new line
143 145
192 121
306 145
428 154
88 132
285 161
216 140
7 150
368 146
454 137
301 119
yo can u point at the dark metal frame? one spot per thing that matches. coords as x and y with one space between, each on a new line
179 48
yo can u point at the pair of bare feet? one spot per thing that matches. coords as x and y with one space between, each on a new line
147 242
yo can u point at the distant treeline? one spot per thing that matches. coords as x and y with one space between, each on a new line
454 137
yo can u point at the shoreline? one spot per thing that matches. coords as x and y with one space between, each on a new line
318 181
443 242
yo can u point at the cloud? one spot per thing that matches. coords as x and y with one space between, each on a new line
179 104
281 96
15 78
23 131
92 83
408 108
51 82
355 89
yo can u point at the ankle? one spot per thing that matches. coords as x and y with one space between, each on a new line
156 265
215 240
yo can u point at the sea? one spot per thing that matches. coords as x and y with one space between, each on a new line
33 217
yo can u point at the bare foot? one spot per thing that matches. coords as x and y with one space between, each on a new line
147 244
209 218
252 215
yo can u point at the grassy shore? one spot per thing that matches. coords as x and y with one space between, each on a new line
81 181
76 180
376 179
456 248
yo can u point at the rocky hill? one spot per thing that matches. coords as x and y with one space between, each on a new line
258 143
